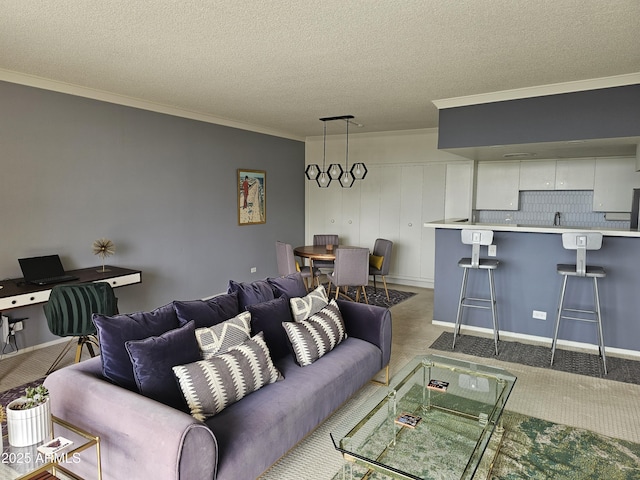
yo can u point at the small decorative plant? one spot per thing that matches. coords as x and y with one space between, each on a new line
33 396
29 417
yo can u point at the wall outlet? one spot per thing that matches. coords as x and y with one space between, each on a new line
539 315
17 326
254 269
492 250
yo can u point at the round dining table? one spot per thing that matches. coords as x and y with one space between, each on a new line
316 252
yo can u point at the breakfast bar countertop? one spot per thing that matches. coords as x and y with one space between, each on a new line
460 223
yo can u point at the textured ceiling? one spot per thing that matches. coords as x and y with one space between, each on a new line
281 65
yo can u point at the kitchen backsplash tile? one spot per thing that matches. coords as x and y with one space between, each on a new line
538 207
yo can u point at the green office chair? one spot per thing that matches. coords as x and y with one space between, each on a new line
69 311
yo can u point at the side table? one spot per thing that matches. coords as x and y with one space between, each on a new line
22 463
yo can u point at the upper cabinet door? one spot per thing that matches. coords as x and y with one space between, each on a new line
458 188
497 186
575 174
615 179
538 175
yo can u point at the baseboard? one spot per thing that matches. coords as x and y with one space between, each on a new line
541 340
412 282
34 347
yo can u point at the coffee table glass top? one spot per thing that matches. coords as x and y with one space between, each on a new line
31 462
434 420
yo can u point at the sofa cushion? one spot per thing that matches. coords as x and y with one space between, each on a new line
207 312
114 331
267 317
222 336
243 369
290 285
303 307
251 293
313 338
153 358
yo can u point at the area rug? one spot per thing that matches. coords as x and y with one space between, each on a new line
619 369
531 448
379 297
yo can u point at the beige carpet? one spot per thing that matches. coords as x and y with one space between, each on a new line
604 406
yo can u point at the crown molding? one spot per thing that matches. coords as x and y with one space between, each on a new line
539 91
103 96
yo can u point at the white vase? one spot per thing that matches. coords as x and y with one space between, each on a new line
28 427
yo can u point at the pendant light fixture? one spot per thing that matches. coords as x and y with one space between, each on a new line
345 176
313 171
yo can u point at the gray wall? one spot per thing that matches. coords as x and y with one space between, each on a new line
162 188
601 113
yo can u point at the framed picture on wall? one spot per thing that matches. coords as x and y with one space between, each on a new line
252 197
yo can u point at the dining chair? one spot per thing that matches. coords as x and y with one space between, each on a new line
380 261
325 239
287 264
351 270
69 313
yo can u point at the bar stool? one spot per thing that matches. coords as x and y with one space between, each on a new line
581 242
475 238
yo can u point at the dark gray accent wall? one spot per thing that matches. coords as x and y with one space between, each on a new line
527 280
163 188
593 114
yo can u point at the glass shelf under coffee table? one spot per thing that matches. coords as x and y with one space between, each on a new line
18 463
454 423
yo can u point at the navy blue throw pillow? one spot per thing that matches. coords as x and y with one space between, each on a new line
207 313
267 317
153 359
290 285
251 293
114 331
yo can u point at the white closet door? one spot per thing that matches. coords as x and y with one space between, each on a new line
409 245
370 207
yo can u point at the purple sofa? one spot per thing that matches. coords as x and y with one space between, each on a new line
142 438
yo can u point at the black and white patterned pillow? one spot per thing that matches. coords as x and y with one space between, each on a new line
222 336
313 338
209 386
303 307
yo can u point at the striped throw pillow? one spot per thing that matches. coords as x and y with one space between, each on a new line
209 386
313 338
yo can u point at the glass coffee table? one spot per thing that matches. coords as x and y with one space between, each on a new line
434 421
25 463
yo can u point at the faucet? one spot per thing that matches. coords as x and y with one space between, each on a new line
556 219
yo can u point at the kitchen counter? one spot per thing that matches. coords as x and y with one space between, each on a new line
461 223
527 280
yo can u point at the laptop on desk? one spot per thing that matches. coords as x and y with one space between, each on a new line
46 270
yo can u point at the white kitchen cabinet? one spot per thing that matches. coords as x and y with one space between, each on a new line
575 174
615 179
497 185
458 188
538 175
